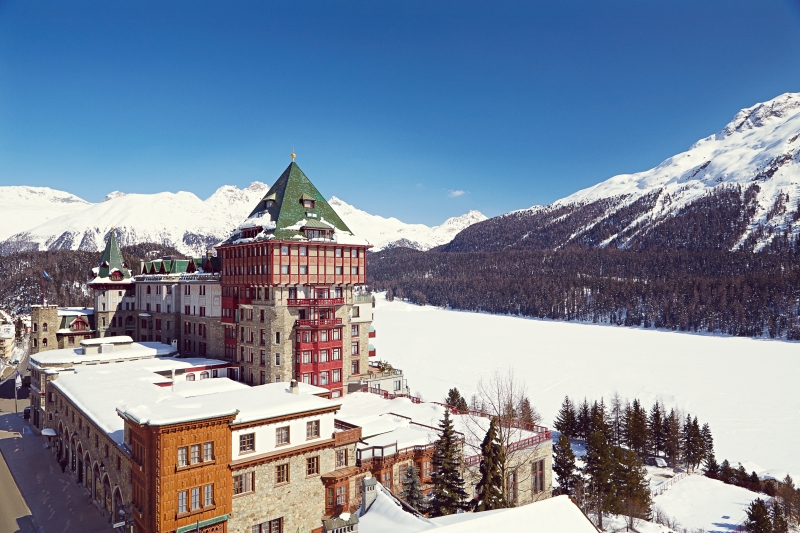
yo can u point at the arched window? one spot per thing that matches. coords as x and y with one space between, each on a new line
203 375
189 377
44 342
35 343
44 326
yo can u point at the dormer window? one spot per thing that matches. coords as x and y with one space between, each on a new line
268 203
116 276
308 204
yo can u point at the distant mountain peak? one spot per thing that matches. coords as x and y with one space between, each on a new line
112 195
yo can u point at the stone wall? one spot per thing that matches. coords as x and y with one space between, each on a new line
41 316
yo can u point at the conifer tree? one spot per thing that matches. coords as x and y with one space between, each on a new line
584 420
758 517
412 488
725 471
672 437
566 419
630 485
708 440
616 420
489 491
564 465
779 522
448 494
655 423
711 467
527 413
454 399
636 428
598 468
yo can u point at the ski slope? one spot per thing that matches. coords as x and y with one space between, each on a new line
747 390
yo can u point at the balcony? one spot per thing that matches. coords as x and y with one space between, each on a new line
362 298
372 351
318 323
345 433
371 332
314 302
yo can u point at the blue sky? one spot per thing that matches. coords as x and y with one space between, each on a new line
392 106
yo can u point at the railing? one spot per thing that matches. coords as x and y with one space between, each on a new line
313 302
666 485
345 433
319 322
387 396
473 460
391 457
362 298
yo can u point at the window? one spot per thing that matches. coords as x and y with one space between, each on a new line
356 311
284 269
71 340
312 466
312 429
337 270
183 456
303 251
354 367
323 378
273 526
354 330
338 252
208 495
341 495
354 270
282 435
195 498
204 374
282 474
189 377
341 458
336 334
323 356
537 476
247 443
277 359
511 486
195 449
303 269
263 377
306 357
263 357
398 384
337 354
277 337
387 478
182 494
337 375
208 451
284 250
354 348
243 483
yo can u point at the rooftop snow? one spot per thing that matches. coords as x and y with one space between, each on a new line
74 356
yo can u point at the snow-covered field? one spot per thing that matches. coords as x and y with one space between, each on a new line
747 390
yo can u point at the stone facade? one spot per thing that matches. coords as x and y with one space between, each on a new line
531 476
44 324
114 308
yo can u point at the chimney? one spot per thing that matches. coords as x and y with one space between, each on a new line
368 494
294 387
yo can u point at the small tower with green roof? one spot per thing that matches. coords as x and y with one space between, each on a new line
114 295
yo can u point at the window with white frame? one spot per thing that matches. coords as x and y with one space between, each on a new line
182 502
183 456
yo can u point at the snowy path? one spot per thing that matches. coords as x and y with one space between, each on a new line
747 390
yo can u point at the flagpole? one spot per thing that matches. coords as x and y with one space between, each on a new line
42 289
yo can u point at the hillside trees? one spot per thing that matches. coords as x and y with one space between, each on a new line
447 495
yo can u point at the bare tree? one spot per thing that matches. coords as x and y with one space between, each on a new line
503 396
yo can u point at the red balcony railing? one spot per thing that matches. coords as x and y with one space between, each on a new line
314 302
319 322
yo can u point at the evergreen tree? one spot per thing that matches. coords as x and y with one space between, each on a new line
566 420
564 465
489 491
778 519
584 420
692 445
598 468
616 420
637 434
527 413
758 517
672 437
708 440
448 494
412 488
725 472
454 399
631 488
655 424
711 466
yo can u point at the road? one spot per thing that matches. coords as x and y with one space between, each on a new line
14 513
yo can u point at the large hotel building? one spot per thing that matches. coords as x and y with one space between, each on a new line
206 394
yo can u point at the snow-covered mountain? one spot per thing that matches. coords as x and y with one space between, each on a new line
25 207
736 189
181 220
390 232
45 219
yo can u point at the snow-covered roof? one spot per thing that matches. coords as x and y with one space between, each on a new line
75 356
71 311
136 391
119 339
554 515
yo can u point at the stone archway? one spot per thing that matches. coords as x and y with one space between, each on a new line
107 501
118 510
97 485
87 472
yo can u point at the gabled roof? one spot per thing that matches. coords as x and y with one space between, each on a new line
112 259
285 218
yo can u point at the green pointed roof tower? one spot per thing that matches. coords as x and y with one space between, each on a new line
112 259
291 204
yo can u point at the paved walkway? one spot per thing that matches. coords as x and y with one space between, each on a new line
59 505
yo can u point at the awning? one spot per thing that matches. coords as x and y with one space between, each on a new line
49 432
